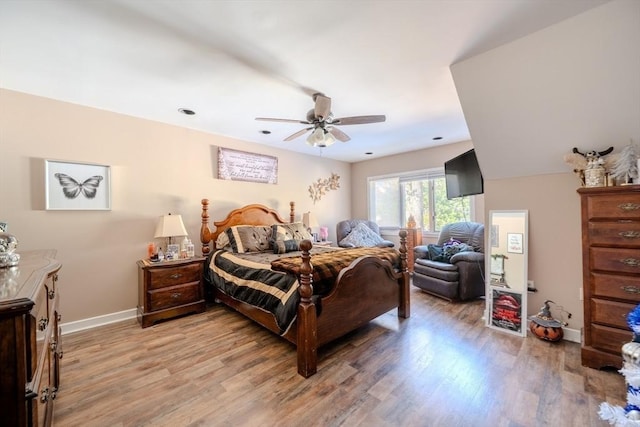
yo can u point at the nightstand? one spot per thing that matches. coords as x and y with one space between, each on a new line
169 289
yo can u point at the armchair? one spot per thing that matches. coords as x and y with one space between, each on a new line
462 278
344 228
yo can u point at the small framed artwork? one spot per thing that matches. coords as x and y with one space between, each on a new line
77 186
514 243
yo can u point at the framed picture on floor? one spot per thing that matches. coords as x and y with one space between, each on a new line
77 186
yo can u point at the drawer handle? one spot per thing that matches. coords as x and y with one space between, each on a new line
52 294
630 289
176 295
44 394
42 324
629 206
629 234
631 262
175 276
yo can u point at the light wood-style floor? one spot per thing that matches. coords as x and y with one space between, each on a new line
441 367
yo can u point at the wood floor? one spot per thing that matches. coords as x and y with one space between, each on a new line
441 367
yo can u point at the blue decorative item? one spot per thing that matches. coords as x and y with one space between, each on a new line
633 320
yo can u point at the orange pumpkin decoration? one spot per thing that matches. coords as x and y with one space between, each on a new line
544 326
547 333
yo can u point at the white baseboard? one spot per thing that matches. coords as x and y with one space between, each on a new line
573 335
94 322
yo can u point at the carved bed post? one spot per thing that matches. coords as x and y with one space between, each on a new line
307 339
404 309
205 232
292 212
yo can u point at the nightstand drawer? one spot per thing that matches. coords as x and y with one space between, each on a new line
174 296
170 276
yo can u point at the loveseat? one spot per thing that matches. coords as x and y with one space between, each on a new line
453 268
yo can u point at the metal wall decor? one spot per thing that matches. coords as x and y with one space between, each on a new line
321 186
77 186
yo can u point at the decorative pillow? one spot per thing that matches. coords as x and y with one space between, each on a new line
292 231
362 236
249 238
222 241
445 252
284 246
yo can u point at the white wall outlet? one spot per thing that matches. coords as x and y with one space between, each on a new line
530 284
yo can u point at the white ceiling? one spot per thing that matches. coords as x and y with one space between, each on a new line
232 61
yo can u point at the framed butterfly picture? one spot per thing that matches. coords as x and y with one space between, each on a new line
77 186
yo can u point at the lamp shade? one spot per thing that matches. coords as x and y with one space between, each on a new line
170 226
309 220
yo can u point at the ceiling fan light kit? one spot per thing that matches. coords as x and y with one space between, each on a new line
320 138
323 124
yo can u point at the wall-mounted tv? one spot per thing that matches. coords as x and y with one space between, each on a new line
463 176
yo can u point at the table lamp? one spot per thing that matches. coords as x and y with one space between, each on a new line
309 220
170 226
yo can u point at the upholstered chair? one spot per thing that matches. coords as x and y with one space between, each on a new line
347 227
462 277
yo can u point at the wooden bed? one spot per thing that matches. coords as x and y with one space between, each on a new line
366 289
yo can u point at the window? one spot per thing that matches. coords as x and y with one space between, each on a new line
422 194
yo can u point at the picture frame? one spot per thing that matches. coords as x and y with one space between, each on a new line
514 243
506 311
77 186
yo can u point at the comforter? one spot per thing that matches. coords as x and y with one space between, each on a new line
272 284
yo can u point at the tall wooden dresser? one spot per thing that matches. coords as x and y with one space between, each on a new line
611 270
30 347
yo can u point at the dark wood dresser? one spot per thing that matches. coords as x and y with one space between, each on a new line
169 289
611 270
30 346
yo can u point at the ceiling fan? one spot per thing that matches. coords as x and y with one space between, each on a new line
323 124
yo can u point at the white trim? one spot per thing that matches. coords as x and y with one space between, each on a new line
94 322
573 335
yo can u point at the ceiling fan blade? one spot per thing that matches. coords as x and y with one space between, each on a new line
268 119
297 134
340 136
358 120
323 106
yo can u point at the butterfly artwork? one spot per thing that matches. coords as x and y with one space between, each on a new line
72 188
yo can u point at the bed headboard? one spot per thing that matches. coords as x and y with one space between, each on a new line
254 214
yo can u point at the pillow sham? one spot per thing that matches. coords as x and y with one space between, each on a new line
292 231
284 246
249 238
361 236
222 241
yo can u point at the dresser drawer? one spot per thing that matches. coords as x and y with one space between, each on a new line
171 276
614 206
174 296
611 313
609 339
616 260
619 233
615 286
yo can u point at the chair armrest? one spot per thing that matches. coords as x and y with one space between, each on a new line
421 252
468 256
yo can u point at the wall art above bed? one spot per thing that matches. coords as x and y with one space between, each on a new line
238 165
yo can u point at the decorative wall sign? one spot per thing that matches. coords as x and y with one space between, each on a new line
320 187
514 243
77 186
505 310
243 166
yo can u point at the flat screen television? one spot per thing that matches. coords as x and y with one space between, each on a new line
463 176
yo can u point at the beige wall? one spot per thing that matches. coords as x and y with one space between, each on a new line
156 169
555 251
413 161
